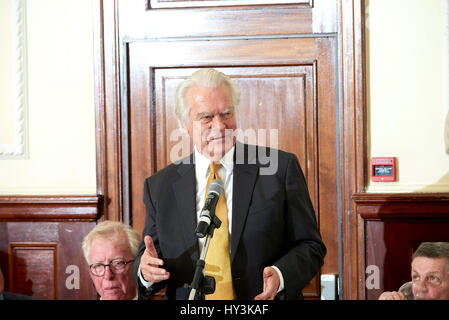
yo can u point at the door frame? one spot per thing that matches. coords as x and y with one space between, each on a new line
351 123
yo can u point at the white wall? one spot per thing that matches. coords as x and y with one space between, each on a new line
61 110
407 87
407 62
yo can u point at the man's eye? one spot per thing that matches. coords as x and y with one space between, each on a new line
434 279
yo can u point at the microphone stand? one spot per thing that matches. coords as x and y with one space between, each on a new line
202 283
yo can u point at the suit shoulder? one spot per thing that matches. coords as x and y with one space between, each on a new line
171 171
263 153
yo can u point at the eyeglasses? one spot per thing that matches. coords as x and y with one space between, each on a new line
116 266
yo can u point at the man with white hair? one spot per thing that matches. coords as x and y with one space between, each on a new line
109 249
268 244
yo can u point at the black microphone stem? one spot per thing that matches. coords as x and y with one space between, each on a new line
199 271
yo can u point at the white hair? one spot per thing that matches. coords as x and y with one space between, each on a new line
111 230
210 78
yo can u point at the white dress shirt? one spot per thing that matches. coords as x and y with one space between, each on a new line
202 171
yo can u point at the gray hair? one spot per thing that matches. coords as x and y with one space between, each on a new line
433 250
111 230
210 78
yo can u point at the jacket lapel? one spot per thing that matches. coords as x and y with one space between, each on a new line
245 174
185 193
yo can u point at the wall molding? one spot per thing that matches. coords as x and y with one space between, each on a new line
384 187
18 149
50 208
158 4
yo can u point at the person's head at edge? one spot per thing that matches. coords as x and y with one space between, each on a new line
430 271
205 106
114 242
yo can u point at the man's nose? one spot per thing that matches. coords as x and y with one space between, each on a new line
108 274
218 123
420 285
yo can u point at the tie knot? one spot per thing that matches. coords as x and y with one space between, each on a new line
214 168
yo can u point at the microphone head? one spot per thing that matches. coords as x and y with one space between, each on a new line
216 186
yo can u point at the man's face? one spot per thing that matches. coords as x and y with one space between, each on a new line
212 120
430 279
112 286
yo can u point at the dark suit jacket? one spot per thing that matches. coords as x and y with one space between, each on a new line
273 223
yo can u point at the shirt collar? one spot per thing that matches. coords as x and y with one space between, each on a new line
202 163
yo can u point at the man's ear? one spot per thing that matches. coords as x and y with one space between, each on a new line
185 127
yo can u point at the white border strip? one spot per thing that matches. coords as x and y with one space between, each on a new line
18 149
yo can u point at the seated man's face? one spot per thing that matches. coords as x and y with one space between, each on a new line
430 279
113 285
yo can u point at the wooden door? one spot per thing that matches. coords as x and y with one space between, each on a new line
280 58
288 83
263 43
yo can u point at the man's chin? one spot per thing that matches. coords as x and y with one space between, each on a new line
217 153
113 294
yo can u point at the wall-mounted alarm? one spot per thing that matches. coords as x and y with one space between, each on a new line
383 169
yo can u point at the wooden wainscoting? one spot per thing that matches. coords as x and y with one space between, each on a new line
40 245
390 229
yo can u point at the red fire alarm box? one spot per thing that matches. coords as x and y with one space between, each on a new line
383 169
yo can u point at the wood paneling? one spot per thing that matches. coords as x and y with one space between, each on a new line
274 99
33 269
49 208
352 130
288 94
40 244
390 228
152 4
260 87
266 19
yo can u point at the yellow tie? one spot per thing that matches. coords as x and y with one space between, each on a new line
218 261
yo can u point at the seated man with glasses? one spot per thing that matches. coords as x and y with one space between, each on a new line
109 249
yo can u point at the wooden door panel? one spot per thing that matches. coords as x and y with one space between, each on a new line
44 259
139 19
287 85
135 39
272 98
152 86
33 269
152 4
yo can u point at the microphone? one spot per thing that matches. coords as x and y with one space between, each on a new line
215 190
